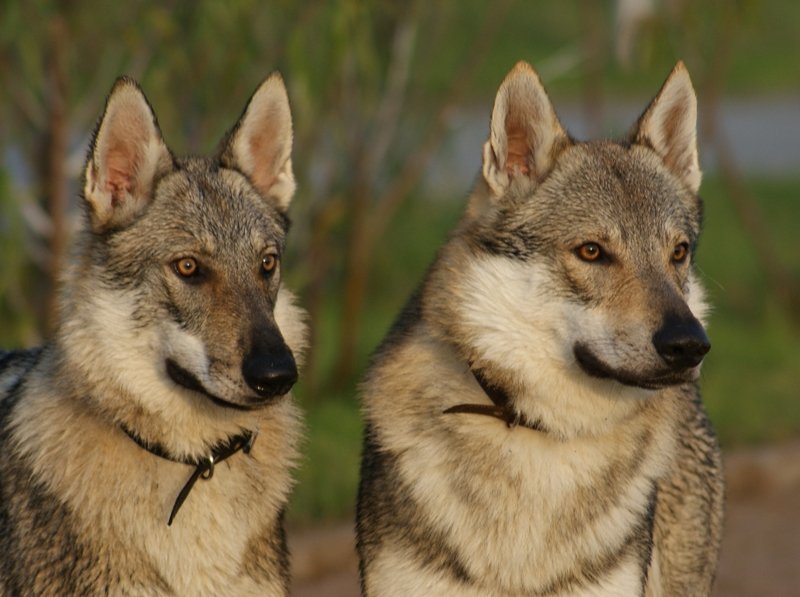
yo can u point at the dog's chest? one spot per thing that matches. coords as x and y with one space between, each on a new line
224 540
215 537
525 512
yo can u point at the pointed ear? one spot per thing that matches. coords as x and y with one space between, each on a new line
669 127
126 156
525 135
260 144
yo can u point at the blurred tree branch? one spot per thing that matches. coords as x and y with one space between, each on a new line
782 284
365 131
593 61
55 153
415 165
370 221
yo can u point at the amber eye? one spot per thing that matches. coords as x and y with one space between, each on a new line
186 267
680 253
589 252
268 263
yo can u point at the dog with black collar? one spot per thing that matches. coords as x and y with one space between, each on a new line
148 447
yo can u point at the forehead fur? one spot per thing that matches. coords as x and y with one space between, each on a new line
596 189
613 181
216 206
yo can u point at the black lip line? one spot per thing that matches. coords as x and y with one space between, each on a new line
187 380
593 366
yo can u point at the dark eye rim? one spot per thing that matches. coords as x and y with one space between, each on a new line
274 259
191 271
684 254
591 252
193 275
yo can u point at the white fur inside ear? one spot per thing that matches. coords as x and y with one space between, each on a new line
524 132
494 170
261 146
670 126
127 154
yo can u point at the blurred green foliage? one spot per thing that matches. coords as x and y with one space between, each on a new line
343 63
16 319
749 381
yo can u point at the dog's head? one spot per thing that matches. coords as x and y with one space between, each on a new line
582 253
185 254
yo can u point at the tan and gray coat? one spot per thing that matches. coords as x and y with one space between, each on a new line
175 337
532 421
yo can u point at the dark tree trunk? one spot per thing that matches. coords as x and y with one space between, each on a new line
55 176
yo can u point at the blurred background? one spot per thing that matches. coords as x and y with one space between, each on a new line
391 104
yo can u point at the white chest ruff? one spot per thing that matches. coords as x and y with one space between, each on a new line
523 510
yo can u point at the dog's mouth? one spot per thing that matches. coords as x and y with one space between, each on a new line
189 381
593 366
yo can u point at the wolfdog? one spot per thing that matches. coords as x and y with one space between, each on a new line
532 421
175 351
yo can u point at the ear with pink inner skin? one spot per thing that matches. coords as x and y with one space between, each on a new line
669 127
127 155
260 145
525 135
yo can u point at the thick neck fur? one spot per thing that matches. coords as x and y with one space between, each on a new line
592 471
456 465
515 341
113 361
120 496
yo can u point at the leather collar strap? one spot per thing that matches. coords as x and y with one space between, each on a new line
203 467
500 408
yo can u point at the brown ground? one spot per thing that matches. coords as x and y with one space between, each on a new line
760 551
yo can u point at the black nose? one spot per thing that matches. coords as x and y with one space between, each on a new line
271 373
681 342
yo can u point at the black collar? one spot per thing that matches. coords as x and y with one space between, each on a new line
203 467
501 407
